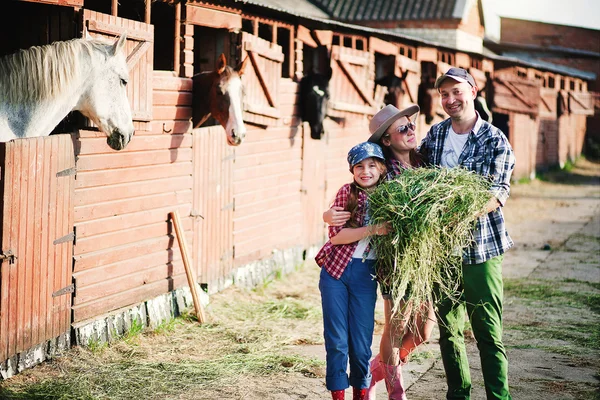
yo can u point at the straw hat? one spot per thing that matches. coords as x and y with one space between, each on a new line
386 117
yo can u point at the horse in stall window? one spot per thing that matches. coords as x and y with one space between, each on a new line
219 94
39 86
314 99
395 91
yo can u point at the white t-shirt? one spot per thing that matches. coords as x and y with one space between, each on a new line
453 147
360 249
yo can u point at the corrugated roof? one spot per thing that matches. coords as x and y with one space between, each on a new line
390 10
300 7
291 7
545 65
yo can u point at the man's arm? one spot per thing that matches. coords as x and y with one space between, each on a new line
501 168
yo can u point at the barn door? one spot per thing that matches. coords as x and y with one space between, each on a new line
261 82
313 188
352 83
213 205
37 184
139 48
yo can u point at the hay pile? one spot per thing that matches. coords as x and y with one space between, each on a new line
432 212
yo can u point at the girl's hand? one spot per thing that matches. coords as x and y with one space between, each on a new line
381 229
336 216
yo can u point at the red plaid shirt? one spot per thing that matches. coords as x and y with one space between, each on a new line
335 258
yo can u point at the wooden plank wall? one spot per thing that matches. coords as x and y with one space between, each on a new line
125 250
571 134
524 143
37 210
266 182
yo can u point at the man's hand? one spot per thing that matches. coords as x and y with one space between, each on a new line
336 216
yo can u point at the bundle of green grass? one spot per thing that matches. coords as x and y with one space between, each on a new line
431 213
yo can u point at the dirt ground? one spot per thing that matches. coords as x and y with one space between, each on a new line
267 343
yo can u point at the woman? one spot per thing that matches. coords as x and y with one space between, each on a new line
394 131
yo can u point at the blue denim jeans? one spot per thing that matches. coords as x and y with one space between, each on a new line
348 322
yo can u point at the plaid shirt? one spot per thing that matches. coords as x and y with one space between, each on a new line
335 258
395 168
488 153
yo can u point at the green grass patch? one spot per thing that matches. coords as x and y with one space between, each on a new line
549 292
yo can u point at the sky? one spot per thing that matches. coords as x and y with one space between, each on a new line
582 13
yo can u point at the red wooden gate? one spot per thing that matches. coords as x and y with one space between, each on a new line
213 204
36 192
313 189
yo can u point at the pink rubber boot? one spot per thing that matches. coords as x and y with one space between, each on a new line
377 375
393 382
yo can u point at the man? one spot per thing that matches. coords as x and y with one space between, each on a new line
466 140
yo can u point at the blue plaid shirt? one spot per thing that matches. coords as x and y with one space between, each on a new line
488 153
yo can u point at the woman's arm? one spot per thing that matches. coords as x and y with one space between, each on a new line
336 216
351 235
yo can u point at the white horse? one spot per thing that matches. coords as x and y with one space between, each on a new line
41 85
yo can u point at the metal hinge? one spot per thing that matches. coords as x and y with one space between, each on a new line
8 255
67 172
67 238
65 290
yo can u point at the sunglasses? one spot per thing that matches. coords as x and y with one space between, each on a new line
403 129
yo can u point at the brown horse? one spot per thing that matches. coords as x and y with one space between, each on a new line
219 94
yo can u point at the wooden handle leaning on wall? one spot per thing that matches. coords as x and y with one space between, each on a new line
186 263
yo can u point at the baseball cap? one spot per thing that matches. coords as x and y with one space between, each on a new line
458 74
363 151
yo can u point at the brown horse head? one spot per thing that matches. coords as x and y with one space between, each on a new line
220 94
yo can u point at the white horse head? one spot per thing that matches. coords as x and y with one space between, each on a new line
41 85
104 100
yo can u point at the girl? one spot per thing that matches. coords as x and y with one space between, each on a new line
348 290
395 131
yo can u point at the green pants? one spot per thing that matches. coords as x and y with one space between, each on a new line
482 298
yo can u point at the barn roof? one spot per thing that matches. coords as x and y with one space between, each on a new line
392 10
545 65
305 10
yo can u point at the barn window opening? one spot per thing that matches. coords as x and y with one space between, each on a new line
551 82
39 24
562 83
248 25
162 16
572 85
102 6
476 63
133 9
336 40
446 57
209 44
348 41
265 31
315 59
360 44
384 65
284 40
